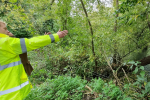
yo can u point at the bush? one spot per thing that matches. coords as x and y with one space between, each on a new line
62 88
107 91
40 75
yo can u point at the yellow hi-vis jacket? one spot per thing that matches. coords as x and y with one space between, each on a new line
14 83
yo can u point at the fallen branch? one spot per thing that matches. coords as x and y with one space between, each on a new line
95 94
88 88
114 74
126 75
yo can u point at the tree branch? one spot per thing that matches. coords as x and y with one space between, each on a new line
91 32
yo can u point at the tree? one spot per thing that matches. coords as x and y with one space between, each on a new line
115 56
91 30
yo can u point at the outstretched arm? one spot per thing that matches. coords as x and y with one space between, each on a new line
23 45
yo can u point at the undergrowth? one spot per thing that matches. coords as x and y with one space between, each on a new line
61 88
74 88
59 80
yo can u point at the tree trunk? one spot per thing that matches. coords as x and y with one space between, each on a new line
51 4
115 30
145 61
91 30
148 22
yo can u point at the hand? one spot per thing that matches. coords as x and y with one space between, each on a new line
61 34
47 33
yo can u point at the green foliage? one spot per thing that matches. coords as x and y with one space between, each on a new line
62 88
65 87
40 75
141 83
107 91
97 85
68 60
73 54
112 92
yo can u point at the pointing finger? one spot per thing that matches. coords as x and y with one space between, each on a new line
59 30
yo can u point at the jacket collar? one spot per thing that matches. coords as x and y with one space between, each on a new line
3 35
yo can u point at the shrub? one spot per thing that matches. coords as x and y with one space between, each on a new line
40 75
62 88
107 91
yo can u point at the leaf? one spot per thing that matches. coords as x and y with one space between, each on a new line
147 87
136 70
13 1
131 62
140 79
142 67
142 73
131 67
138 62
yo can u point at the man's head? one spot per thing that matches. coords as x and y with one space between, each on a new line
3 29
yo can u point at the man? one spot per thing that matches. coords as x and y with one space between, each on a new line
24 59
14 83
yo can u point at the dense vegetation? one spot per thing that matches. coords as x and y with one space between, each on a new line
101 56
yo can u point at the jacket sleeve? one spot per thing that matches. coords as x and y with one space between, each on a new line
22 45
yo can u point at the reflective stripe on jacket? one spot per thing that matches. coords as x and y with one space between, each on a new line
14 83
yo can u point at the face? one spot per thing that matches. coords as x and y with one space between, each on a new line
3 29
